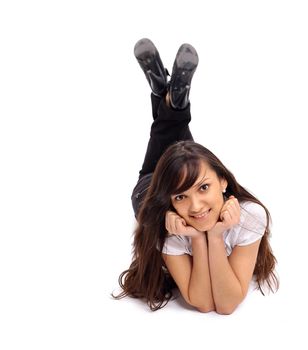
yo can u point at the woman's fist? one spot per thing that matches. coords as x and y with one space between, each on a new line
176 225
229 216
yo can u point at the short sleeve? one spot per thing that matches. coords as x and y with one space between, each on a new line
252 224
177 245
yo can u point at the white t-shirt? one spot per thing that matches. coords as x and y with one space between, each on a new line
250 229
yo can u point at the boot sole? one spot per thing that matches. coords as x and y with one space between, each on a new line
186 59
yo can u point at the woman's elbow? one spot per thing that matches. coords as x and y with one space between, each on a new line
222 310
206 309
226 309
202 306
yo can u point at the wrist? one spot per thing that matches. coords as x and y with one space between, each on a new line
215 232
215 238
200 237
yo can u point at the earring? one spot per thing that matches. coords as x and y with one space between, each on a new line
224 191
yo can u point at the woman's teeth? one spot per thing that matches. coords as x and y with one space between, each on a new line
202 215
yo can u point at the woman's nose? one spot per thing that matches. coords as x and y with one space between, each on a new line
195 204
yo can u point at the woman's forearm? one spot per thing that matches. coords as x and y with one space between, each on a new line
200 290
226 288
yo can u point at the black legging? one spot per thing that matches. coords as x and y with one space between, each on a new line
169 126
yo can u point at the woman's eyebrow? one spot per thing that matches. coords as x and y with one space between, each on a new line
202 180
196 185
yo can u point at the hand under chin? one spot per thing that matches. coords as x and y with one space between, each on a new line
203 227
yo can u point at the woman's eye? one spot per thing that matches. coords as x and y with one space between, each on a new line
204 187
179 197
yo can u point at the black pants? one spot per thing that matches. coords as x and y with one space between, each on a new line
168 127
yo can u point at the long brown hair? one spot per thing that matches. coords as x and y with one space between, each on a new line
147 276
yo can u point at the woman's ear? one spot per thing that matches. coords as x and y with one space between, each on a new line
223 184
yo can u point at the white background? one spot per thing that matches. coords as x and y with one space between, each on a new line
75 117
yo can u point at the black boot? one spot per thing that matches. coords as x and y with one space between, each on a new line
152 66
184 67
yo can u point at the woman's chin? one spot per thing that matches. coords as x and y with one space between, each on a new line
203 226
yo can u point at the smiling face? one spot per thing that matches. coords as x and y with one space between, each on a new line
201 204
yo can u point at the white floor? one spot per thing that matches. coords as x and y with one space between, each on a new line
74 123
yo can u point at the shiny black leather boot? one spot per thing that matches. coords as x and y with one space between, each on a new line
184 67
152 66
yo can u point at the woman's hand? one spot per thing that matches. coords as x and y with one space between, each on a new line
229 217
176 225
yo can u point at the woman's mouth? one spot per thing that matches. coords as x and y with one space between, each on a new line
202 215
